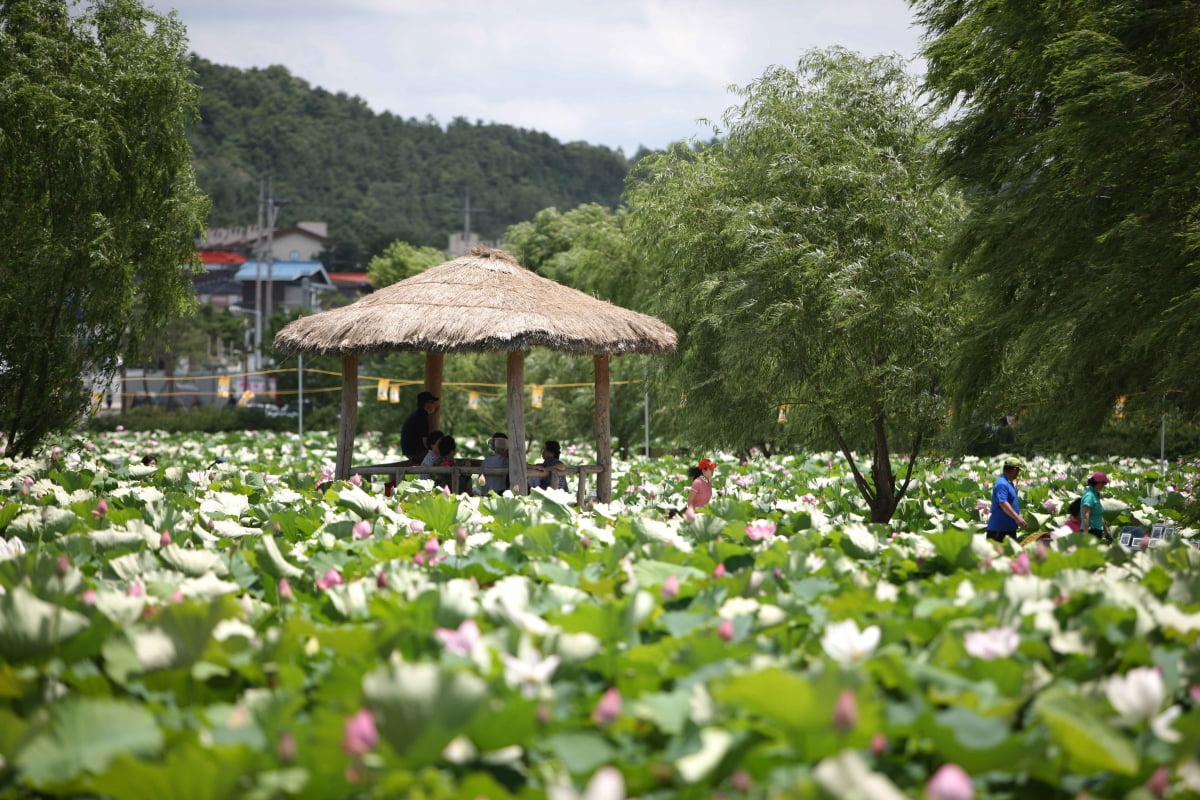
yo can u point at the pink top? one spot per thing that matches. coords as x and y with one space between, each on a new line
701 492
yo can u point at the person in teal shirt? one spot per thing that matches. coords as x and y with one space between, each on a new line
1091 510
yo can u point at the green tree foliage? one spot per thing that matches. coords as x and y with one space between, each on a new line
588 249
374 177
97 197
401 260
796 258
1076 133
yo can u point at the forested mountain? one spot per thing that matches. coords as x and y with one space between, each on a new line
375 177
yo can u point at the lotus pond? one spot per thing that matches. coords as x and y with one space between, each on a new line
231 623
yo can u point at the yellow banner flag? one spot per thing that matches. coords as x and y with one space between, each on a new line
394 393
381 392
223 386
536 396
473 401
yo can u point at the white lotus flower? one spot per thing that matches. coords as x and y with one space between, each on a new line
1137 695
528 670
606 784
846 644
1161 725
992 644
12 548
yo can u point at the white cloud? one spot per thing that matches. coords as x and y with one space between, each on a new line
620 73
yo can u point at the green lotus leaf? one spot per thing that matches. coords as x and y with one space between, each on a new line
86 735
30 627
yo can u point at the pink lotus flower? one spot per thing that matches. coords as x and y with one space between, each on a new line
1020 564
101 509
416 526
991 644
165 539
432 546
808 498
62 566
362 529
359 734
950 782
1052 505
760 529
670 588
135 590
356 479
845 711
461 642
177 596
88 596
609 707
725 630
285 591
330 579
719 570
878 745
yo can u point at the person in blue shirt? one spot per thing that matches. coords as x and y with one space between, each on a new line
1005 517
555 474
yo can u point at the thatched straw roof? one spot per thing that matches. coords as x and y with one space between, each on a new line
482 302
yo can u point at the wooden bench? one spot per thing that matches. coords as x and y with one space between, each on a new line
399 470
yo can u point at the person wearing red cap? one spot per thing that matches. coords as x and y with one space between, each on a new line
1091 510
701 492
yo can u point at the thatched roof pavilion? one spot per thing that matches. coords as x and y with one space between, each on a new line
481 302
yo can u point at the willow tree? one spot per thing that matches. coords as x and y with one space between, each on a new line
796 259
1075 131
97 197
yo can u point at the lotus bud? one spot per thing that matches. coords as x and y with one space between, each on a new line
950 782
719 571
670 588
286 749
725 630
62 566
845 711
608 708
165 539
285 591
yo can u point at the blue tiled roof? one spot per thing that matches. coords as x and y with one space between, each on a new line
284 271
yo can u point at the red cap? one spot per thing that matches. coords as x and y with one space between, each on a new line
707 464
1098 477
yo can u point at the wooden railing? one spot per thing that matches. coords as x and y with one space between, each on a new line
397 471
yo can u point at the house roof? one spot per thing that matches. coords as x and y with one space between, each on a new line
350 278
481 302
285 271
220 257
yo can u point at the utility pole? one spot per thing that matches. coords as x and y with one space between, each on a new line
467 221
273 206
258 254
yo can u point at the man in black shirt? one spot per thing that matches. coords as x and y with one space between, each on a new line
416 427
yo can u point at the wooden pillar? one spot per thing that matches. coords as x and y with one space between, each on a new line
516 422
349 420
603 431
433 385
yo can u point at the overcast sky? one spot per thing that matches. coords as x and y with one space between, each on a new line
621 73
